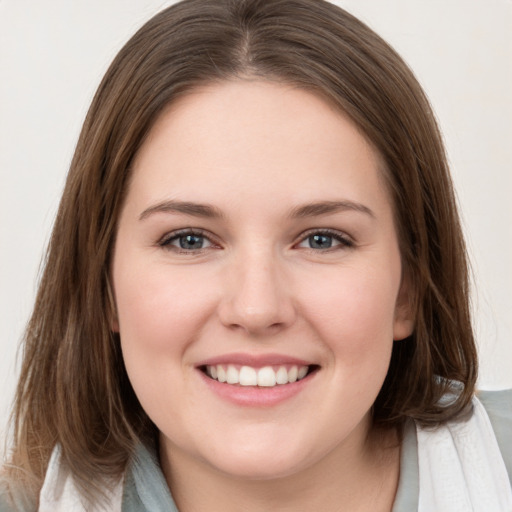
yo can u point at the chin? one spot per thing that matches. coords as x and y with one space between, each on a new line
261 469
261 461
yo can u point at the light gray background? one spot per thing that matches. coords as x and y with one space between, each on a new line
54 52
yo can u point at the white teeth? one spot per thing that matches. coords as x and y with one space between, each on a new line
303 370
248 376
221 374
232 375
282 375
267 376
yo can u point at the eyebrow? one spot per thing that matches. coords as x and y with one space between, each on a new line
328 207
185 207
208 211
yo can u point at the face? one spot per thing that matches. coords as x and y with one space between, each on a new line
257 280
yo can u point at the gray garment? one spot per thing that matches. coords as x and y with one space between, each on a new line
147 491
145 487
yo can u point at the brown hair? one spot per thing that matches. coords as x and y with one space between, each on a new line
73 389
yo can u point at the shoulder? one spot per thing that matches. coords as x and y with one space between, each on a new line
6 506
10 503
498 405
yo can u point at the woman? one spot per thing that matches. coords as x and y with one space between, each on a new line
256 285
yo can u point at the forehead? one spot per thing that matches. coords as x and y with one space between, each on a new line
240 137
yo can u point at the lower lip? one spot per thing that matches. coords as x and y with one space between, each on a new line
254 396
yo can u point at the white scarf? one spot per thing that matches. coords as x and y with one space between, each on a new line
460 470
59 493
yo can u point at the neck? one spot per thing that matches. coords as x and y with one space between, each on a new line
356 477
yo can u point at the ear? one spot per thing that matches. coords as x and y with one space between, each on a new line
404 321
112 309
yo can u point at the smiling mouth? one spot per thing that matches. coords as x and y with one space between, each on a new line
267 376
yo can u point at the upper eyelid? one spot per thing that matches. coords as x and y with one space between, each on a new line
171 235
326 231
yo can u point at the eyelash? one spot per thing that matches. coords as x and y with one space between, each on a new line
166 241
345 242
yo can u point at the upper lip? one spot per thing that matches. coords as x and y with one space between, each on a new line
254 360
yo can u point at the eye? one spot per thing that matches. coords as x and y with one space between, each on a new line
325 240
186 241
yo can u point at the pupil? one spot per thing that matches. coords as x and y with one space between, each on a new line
320 241
191 242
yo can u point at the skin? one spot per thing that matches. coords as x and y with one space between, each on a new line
256 151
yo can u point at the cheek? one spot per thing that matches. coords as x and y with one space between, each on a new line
160 310
353 311
160 315
351 314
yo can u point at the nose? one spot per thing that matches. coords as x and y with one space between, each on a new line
258 297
